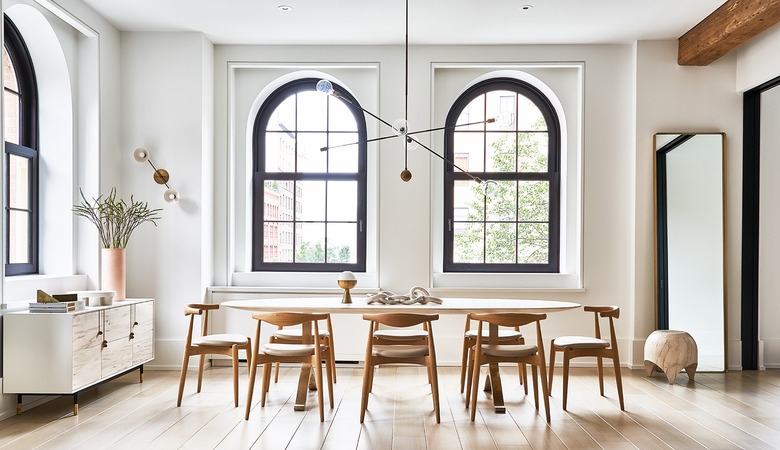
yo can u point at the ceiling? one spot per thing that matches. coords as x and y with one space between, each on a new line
373 22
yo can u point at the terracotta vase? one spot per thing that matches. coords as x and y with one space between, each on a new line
112 271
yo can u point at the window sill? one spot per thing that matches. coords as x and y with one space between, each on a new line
301 280
20 290
506 282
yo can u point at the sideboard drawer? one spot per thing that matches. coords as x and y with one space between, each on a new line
117 323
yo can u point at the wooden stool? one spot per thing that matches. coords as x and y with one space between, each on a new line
671 351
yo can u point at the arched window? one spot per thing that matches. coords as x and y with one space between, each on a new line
21 155
512 222
309 204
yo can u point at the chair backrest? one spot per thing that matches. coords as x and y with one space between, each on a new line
286 319
400 320
511 320
612 312
197 309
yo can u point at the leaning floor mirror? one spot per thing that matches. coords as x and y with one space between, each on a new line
690 241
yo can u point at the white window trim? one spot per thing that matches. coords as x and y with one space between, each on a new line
239 217
571 274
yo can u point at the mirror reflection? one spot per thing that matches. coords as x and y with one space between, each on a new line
690 270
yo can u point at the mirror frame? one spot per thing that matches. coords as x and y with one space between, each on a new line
661 233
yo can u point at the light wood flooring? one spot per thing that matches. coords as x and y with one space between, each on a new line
732 410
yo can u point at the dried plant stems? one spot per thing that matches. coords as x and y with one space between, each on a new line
115 219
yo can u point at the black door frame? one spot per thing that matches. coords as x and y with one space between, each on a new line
751 156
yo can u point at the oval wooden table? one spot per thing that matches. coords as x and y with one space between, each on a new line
333 305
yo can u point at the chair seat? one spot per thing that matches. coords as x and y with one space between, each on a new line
503 335
401 335
580 342
295 333
220 340
509 351
288 349
400 351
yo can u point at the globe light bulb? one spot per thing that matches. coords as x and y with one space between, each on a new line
411 144
489 187
401 127
171 195
325 86
141 154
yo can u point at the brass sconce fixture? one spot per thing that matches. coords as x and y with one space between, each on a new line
161 176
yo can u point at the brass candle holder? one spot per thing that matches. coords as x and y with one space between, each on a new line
347 281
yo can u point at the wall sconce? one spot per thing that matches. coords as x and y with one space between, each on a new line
161 176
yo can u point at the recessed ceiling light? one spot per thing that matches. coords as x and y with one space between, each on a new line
284 8
527 7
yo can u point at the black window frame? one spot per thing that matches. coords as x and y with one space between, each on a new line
553 176
28 147
260 176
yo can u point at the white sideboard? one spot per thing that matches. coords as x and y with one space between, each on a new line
67 353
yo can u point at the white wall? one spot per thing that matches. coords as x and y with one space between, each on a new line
167 107
672 98
405 212
81 70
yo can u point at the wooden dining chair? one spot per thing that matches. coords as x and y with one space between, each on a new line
390 346
504 337
486 353
309 351
210 344
577 346
292 335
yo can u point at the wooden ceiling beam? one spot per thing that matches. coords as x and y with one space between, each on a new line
728 27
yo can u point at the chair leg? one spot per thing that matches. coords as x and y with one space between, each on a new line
618 381
474 384
434 387
534 371
525 378
600 364
318 376
371 379
183 376
252 374
332 353
545 390
200 370
329 372
565 376
470 377
369 367
552 367
266 382
464 363
234 351
276 373
248 355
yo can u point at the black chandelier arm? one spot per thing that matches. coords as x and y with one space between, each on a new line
476 179
491 120
452 127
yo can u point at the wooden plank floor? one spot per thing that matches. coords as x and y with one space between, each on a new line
719 411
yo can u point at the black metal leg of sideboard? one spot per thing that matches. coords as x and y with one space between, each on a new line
142 373
18 404
76 404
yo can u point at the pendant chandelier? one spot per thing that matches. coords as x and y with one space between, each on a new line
400 127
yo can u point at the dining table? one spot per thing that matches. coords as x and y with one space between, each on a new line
456 305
